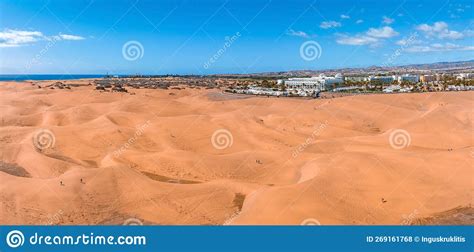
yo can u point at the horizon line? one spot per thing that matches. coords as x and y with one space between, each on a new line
255 73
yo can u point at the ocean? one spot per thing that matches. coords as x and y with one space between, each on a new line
23 77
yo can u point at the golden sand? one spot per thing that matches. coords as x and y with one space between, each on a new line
198 156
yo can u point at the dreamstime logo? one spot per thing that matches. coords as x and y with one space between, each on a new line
408 219
405 43
311 222
310 140
310 50
38 56
44 139
133 222
133 50
227 44
15 239
399 139
222 139
140 130
54 219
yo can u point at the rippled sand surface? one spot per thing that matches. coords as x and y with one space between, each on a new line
80 156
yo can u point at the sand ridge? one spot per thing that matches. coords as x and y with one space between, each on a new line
203 157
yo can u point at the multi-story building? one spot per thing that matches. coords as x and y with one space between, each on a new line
408 78
315 83
427 78
356 78
391 79
465 76
384 79
303 83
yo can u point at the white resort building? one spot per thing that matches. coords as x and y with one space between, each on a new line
399 78
408 78
383 79
465 76
313 84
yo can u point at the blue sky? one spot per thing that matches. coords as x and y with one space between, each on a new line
210 36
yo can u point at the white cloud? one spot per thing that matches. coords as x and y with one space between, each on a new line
356 40
360 21
436 27
371 37
384 32
70 37
16 38
302 34
329 24
468 33
345 16
437 47
408 41
451 35
387 20
439 30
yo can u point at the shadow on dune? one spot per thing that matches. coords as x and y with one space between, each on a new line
14 169
168 179
461 215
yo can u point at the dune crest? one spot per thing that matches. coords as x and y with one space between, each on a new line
203 157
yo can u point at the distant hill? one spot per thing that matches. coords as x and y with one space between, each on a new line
445 67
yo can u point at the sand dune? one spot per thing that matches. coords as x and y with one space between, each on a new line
103 157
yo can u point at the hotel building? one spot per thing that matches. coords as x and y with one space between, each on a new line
384 79
315 83
427 78
408 78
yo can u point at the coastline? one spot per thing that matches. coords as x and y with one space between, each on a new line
46 77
